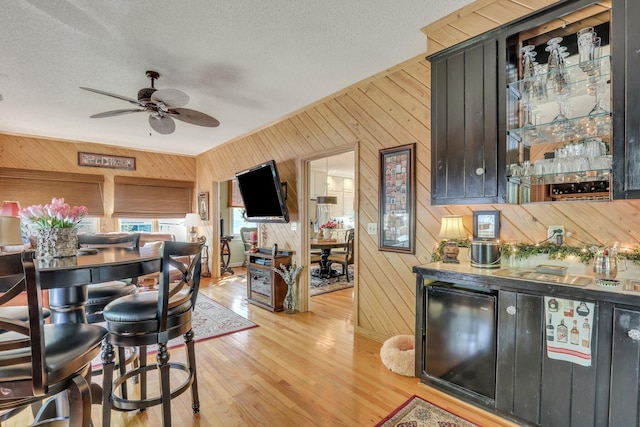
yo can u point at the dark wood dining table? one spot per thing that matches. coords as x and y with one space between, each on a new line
325 247
67 278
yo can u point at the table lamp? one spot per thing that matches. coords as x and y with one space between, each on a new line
10 231
10 208
451 230
192 222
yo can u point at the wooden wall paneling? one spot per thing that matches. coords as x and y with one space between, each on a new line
382 111
503 10
62 156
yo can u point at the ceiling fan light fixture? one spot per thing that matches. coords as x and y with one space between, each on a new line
161 105
144 94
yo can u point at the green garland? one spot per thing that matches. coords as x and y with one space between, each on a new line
525 250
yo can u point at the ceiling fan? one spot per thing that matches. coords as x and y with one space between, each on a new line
163 105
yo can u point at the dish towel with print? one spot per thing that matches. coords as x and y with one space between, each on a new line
568 330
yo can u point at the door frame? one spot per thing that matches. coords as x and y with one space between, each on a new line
305 235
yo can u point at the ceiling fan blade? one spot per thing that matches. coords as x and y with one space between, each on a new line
171 98
194 117
113 95
163 125
114 113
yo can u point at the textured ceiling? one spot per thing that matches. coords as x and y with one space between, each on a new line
246 63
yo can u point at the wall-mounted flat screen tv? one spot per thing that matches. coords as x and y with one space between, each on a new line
262 193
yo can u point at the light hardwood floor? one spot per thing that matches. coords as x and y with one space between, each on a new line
306 369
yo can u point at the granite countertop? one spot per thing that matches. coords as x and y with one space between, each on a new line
526 279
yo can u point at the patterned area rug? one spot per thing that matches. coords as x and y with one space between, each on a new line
322 286
209 320
417 412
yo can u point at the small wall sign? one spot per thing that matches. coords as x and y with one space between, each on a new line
105 161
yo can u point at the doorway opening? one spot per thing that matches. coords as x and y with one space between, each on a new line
331 207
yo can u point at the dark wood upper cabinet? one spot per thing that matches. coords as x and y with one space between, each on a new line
478 118
626 99
465 166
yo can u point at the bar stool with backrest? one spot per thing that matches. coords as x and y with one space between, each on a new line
155 317
101 294
344 258
39 361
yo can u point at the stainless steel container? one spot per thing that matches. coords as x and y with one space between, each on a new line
606 267
485 254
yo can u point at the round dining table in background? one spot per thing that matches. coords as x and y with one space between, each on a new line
325 247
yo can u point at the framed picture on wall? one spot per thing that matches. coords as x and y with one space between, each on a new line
203 206
486 225
397 195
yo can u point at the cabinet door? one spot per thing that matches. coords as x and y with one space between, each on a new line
626 99
336 183
338 208
318 184
546 391
520 346
464 138
625 385
348 203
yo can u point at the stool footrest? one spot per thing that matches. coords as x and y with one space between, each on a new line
120 404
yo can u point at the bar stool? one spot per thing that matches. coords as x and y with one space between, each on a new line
149 318
39 361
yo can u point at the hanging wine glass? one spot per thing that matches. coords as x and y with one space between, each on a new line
586 48
552 62
528 72
561 127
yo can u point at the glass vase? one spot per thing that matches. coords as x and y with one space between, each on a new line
57 242
289 303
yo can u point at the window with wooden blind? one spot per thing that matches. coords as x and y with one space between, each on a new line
152 198
234 197
33 187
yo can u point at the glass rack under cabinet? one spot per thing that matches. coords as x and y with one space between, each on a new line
579 110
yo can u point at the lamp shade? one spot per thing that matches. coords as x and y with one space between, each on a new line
327 200
452 227
10 231
192 220
10 208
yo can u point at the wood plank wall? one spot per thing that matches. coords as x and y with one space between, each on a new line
392 109
62 156
386 110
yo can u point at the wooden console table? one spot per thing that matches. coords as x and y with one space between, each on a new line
265 287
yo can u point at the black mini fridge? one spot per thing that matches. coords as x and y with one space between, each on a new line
461 337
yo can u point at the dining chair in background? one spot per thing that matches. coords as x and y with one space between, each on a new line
344 258
39 361
153 318
245 233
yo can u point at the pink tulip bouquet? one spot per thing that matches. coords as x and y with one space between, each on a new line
58 214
